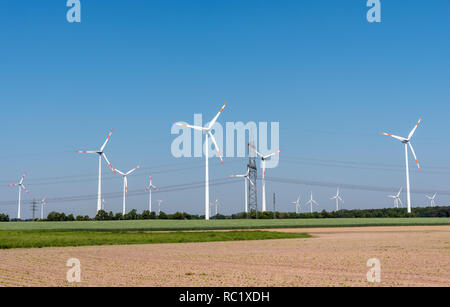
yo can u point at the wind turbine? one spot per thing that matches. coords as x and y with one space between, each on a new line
263 160
407 142
100 154
311 202
216 204
396 198
125 185
21 186
103 204
150 188
338 199
43 204
246 178
159 201
207 132
297 205
432 200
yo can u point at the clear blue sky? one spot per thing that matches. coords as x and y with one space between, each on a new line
331 79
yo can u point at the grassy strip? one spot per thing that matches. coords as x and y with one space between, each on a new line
42 238
156 225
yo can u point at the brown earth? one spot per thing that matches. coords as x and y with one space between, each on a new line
410 256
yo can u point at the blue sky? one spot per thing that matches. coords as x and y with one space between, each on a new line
330 78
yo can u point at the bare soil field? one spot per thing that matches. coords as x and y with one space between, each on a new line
410 256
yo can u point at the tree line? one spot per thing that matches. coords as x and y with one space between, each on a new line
147 215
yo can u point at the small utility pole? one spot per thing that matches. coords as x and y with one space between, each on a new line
34 204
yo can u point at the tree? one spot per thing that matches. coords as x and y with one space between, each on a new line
162 216
101 216
132 215
4 218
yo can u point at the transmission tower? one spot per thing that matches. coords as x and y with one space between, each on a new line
34 207
252 201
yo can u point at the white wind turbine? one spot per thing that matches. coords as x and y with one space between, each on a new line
432 200
338 199
297 205
100 154
397 199
207 132
215 204
246 178
159 201
312 202
407 142
263 160
21 186
104 203
43 204
125 185
150 188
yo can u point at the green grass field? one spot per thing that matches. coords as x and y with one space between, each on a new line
47 238
155 225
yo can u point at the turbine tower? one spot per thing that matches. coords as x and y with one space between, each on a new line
125 185
159 201
246 178
21 186
407 142
150 188
432 200
100 154
104 203
338 199
43 204
263 160
207 132
312 202
396 198
297 204
215 204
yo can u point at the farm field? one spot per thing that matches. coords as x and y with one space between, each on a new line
47 238
157 225
409 256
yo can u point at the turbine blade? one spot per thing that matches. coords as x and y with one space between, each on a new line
25 189
215 145
129 172
86 151
189 126
122 173
273 154
106 142
251 182
402 139
238 176
216 117
126 184
109 164
414 154
254 148
414 129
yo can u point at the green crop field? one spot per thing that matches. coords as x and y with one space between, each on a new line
47 238
158 225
